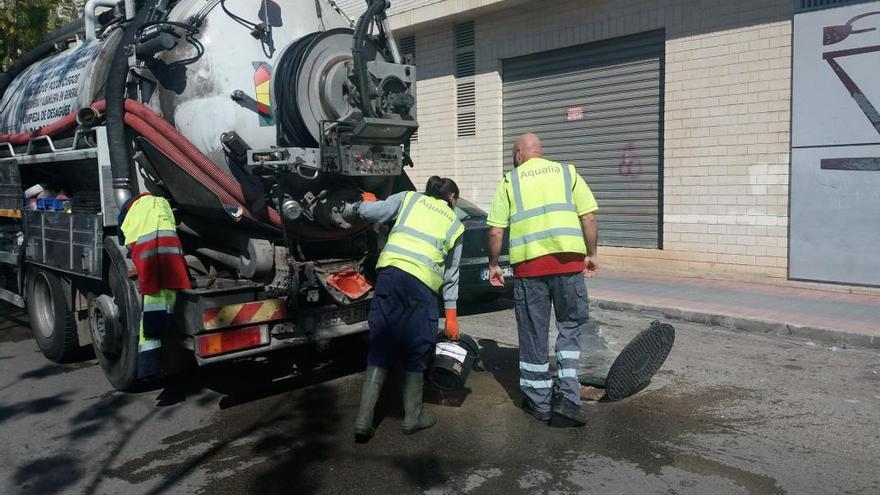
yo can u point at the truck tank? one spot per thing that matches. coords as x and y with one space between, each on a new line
234 84
54 87
268 91
257 120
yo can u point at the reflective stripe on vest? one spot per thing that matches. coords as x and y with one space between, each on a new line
420 239
538 229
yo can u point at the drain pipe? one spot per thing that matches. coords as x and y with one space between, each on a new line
91 18
119 146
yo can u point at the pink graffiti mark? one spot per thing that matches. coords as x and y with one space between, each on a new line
629 165
836 34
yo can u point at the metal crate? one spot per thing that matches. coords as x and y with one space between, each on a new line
64 241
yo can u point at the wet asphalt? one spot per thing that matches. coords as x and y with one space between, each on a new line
728 413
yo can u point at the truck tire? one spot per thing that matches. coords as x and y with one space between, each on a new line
52 321
119 360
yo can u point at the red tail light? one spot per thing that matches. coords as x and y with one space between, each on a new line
239 339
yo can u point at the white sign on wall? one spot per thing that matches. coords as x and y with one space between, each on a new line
835 156
836 90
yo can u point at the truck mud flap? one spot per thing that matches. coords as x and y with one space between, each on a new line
637 363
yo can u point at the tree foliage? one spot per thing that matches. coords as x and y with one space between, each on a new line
23 23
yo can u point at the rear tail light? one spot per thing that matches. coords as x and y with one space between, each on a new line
226 341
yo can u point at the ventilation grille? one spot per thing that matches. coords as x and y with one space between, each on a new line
464 34
466 94
465 70
808 5
408 49
465 64
467 124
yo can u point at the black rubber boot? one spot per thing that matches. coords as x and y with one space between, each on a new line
567 413
363 425
415 418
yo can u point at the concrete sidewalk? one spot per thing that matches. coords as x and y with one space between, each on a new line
824 316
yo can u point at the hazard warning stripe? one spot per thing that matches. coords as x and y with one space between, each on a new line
10 213
244 314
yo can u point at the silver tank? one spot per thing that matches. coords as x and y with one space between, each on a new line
200 101
56 86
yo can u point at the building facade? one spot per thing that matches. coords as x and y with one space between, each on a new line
678 114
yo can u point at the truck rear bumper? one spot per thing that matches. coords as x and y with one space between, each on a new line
279 339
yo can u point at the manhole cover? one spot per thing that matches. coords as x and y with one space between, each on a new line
639 360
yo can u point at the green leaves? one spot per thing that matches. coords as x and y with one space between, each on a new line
24 23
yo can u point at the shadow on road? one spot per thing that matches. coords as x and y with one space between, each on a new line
14 325
503 363
53 474
251 380
34 406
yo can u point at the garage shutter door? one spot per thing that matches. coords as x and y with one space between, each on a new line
598 106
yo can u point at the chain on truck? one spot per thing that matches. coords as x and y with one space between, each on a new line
254 119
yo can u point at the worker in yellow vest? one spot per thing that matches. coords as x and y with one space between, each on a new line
421 256
550 211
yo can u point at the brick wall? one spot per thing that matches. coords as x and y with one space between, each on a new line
726 149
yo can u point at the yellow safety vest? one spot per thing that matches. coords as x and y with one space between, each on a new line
544 219
425 231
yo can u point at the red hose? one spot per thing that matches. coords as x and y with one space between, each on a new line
168 148
184 145
194 155
65 123
179 149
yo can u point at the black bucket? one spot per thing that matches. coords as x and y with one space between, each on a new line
453 362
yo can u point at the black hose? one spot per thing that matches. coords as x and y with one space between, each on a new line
39 52
115 93
358 53
292 129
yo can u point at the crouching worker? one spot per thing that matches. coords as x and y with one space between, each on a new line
421 256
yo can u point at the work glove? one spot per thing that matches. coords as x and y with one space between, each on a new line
342 216
451 330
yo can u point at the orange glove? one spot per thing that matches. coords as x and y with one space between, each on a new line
368 196
451 330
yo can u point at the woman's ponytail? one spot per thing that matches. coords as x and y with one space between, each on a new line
441 188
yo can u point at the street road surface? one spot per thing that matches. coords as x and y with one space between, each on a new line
728 413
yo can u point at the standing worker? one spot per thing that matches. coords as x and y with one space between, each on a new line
422 254
553 235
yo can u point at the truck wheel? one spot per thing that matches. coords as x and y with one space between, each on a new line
115 324
52 322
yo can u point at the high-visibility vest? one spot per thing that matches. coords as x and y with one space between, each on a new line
425 231
151 235
544 218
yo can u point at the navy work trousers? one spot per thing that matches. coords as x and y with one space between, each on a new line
403 321
533 298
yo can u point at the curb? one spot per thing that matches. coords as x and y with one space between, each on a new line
827 336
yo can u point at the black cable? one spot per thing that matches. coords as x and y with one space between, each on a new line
187 27
244 22
359 52
292 130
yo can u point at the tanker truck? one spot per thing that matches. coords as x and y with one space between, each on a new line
255 120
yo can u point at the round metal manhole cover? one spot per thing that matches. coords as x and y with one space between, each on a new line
639 360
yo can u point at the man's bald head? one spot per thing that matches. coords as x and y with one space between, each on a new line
527 146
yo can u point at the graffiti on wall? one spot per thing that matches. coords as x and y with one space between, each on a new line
835 34
629 165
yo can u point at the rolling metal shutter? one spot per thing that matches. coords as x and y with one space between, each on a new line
600 107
